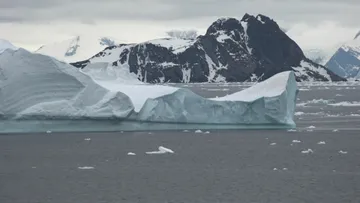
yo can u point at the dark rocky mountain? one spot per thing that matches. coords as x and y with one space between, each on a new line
252 49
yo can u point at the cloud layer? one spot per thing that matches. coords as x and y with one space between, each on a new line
30 21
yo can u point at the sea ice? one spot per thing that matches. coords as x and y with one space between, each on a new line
162 150
321 142
131 154
85 167
272 144
198 131
87 139
296 141
343 152
308 151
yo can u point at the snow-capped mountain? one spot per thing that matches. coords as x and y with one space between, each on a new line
77 48
4 44
320 56
346 61
250 49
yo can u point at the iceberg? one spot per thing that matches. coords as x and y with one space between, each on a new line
40 89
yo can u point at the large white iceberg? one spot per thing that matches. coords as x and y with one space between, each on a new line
34 86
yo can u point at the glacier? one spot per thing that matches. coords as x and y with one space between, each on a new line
39 93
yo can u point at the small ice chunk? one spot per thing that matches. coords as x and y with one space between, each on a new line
296 141
275 169
131 154
309 130
272 144
343 152
308 151
335 130
185 131
162 150
311 127
207 132
150 133
87 139
34 167
299 113
49 131
322 142
85 167
292 130
198 131
285 169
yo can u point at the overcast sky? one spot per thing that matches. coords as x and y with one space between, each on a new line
32 23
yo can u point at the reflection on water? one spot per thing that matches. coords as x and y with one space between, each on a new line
31 126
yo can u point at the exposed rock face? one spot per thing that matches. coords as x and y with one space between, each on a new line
252 49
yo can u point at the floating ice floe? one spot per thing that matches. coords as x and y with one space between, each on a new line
292 130
85 167
343 152
345 103
285 169
272 144
311 127
185 131
335 130
198 131
308 151
48 132
50 89
296 141
207 132
131 154
321 142
275 169
299 113
87 139
162 150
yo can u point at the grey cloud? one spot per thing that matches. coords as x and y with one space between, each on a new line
88 11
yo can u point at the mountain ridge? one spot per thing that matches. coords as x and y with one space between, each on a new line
251 49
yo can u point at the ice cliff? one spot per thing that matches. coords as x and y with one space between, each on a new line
34 86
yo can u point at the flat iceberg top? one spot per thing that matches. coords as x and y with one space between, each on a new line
120 79
271 87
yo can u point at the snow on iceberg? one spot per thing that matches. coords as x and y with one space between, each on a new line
34 85
52 89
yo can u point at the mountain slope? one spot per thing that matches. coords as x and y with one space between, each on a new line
77 48
346 61
252 49
4 44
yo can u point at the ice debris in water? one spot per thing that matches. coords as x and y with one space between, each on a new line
162 150
131 154
207 132
185 131
48 132
275 169
322 142
292 130
198 131
311 127
85 167
272 144
343 152
285 169
87 139
308 151
335 130
296 141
